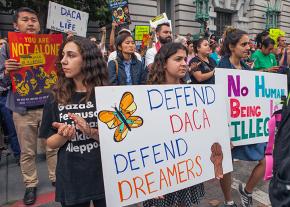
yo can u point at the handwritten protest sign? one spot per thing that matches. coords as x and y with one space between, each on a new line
141 30
120 12
162 18
37 55
65 19
159 139
252 99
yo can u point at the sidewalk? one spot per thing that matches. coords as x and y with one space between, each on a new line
45 191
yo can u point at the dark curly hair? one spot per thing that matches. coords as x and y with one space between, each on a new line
157 72
94 70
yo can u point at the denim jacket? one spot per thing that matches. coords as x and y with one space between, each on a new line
138 73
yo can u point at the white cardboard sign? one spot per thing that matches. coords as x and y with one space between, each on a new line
252 98
158 139
65 19
162 18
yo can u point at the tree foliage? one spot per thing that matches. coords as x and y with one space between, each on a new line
98 9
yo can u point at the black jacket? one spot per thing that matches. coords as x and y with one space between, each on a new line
138 73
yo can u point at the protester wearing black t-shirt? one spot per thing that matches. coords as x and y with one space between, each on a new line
70 123
202 66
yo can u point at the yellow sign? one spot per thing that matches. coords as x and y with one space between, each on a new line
159 17
32 59
275 34
140 31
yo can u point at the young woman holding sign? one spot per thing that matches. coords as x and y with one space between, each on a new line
81 68
169 67
236 47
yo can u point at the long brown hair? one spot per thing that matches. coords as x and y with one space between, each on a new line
94 70
157 72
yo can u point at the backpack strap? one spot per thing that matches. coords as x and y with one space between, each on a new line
117 68
269 149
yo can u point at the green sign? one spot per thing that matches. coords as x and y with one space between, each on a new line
140 30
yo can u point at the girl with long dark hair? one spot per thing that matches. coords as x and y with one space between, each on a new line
169 67
69 123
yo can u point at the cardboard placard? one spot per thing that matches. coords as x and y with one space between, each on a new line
65 19
158 139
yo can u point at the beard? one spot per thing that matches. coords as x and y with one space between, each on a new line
165 40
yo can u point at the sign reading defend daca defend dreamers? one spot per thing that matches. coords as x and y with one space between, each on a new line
157 139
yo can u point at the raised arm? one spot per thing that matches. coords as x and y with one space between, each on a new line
112 36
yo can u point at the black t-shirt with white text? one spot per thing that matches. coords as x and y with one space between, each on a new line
79 176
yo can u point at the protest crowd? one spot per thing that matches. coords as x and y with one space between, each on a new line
54 101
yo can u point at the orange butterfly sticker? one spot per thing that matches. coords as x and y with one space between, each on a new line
122 118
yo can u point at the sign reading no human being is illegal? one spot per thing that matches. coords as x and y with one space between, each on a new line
252 98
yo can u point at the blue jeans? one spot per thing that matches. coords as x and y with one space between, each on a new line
6 117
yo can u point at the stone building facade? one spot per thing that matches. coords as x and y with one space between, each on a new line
248 15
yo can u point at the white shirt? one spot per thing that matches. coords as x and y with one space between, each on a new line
113 56
150 55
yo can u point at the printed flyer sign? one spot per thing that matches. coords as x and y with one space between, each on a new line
162 18
252 99
65 19
140 31
37 55
120 12
145 40
160 139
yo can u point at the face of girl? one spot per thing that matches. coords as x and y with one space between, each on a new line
267 50
128 46
241 50
204 48
72 60
190 48
175 68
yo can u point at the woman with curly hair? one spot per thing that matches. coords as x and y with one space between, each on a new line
169 67
69 123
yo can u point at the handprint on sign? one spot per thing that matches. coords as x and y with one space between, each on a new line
217 160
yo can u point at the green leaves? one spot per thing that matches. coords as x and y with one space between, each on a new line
98 9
